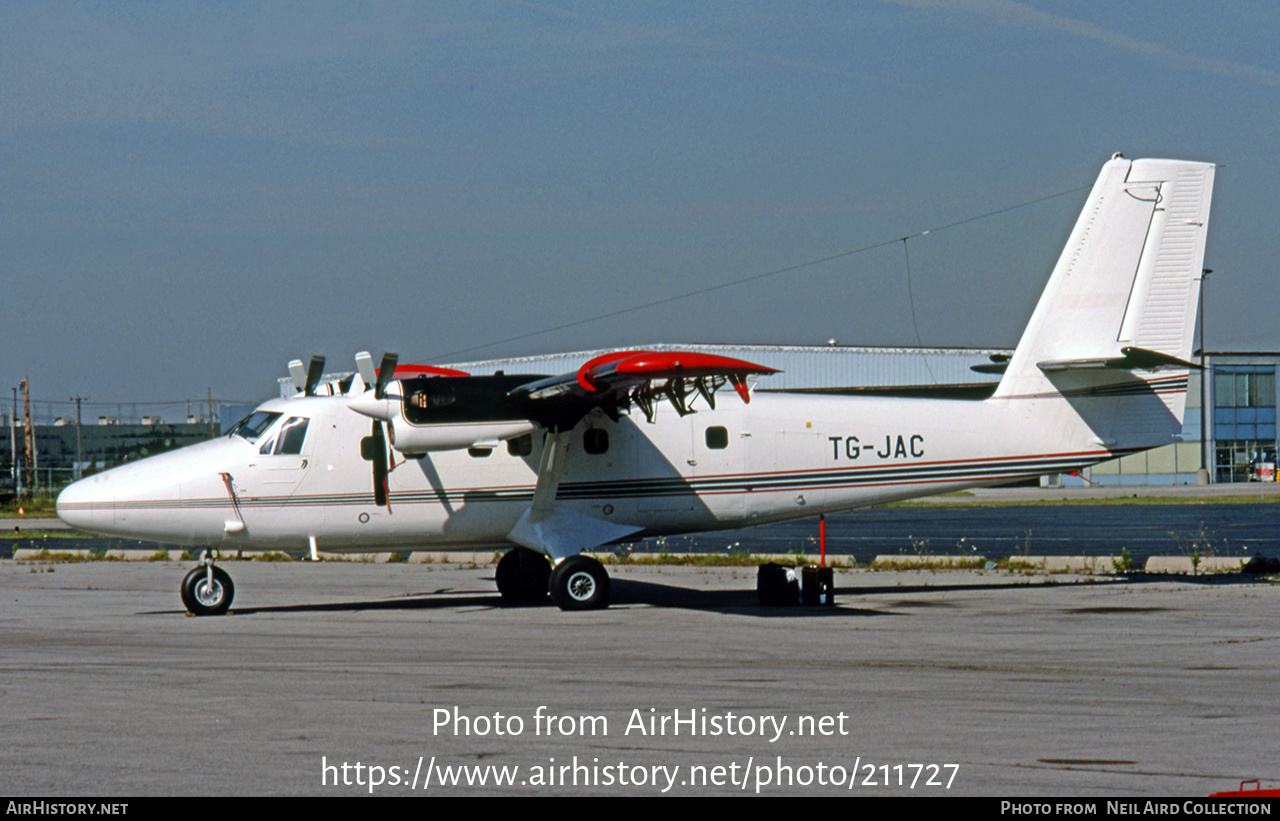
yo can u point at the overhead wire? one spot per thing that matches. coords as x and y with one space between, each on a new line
757 277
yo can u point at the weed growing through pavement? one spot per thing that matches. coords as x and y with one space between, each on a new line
1198 545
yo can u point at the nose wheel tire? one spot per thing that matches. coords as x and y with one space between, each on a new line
203 598
522 576
580 583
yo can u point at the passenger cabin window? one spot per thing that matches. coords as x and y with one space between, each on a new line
717 438
521 445
595 441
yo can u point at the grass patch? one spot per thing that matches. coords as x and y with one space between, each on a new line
273 556
683 559
47 556
718 559
8 534
37 507
931 563
1101 500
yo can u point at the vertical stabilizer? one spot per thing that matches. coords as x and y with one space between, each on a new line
1123 295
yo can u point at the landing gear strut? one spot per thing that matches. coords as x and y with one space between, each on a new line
580 583
207 590
522 575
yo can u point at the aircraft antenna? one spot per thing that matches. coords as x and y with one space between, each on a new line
911 298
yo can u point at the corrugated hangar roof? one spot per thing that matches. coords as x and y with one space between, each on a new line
802 367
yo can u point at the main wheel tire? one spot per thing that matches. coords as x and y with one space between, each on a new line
522 576
203 599
580 583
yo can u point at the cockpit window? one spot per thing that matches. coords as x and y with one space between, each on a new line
292 434
289 439
253 425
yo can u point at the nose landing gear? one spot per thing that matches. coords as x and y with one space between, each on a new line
207 590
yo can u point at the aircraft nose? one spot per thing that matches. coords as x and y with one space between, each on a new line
88 504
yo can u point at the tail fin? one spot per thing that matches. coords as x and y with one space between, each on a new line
1123 296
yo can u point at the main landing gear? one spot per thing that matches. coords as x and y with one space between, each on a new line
580 583
576 583
522 576
207 590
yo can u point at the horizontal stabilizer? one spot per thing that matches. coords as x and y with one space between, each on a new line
999 364
1133 359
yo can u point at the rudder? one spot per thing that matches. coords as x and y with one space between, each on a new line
1123 295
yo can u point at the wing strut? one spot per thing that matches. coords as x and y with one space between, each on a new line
550 467
555 530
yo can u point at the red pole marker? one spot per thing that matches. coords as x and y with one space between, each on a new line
822 540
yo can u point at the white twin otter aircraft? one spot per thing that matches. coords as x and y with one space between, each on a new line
550 466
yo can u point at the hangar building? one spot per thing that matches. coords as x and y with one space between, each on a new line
1240 394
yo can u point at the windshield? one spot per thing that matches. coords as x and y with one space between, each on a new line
252 426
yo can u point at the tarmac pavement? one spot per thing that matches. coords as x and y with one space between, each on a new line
983 683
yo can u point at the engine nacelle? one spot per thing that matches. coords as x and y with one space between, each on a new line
426 414
407 437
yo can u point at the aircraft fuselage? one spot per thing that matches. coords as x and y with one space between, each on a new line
780 457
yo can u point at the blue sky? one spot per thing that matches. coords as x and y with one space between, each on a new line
191 195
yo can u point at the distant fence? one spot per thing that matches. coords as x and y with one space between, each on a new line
49 482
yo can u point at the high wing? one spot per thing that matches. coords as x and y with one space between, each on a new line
426 411
429 412
643 377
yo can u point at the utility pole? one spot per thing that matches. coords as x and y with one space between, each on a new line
79 471
209 394
13 444
1204 476
28 435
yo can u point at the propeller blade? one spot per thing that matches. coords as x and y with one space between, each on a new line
377 454
364 364
298 374
314 372
386 372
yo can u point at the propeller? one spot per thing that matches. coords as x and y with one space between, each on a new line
315 370
379 379
386 372
306 379
364 365
373 448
